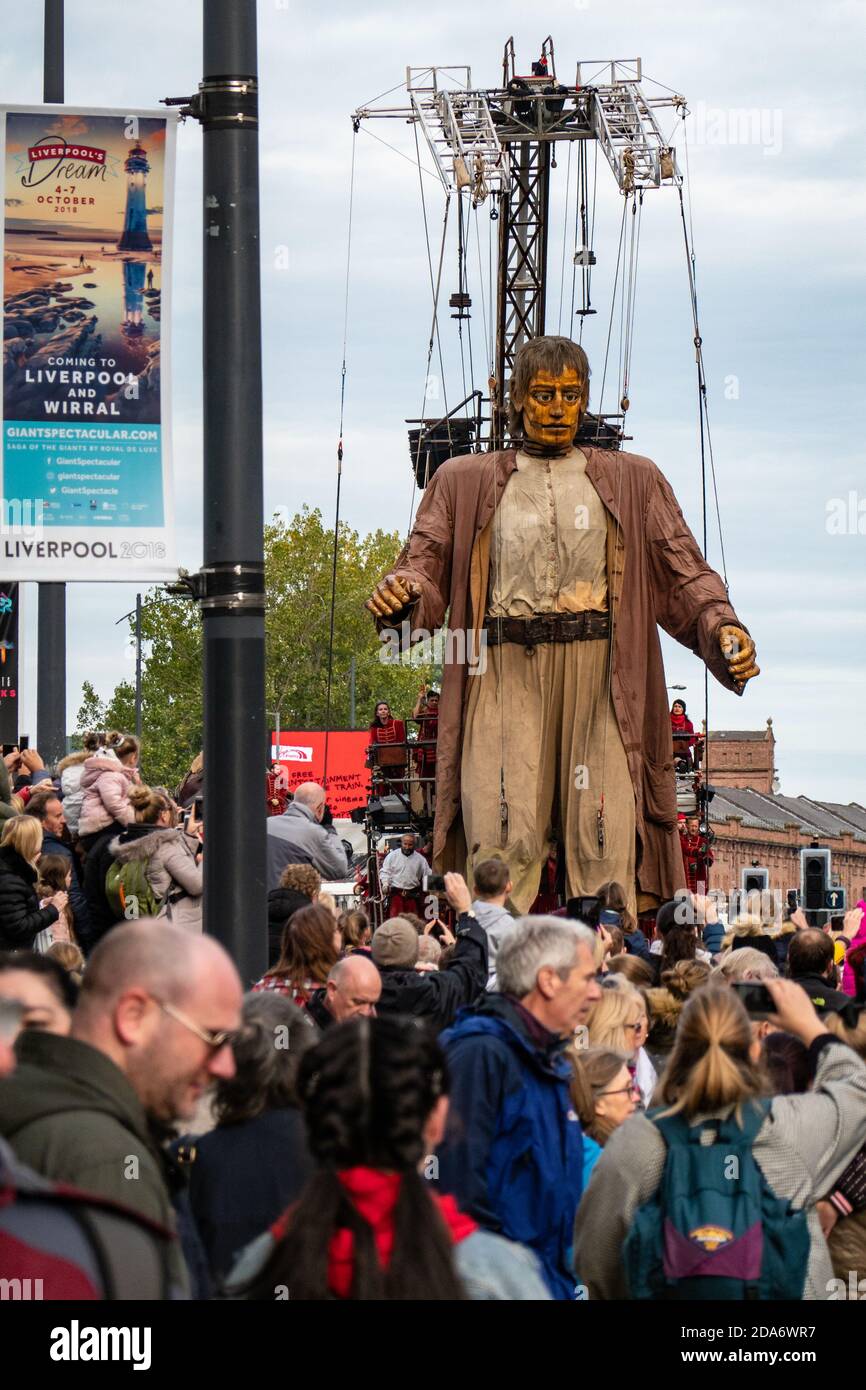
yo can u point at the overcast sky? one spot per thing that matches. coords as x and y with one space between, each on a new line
778 202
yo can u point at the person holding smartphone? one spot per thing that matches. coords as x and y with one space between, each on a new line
800 1146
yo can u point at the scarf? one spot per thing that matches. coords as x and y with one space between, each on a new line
374 1195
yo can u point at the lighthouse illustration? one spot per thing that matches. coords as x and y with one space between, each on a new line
135 236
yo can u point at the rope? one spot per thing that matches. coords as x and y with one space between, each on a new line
487 345
435 285
564 238
588 271
610 322
703 411
355 127
627 313
365 130
460 290
706 439
632 298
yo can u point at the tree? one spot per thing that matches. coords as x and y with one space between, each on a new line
298 571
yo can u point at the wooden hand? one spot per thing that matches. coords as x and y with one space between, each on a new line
392 595
738 649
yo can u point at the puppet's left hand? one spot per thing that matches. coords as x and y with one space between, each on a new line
738 649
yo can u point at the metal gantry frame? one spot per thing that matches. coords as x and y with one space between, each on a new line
500 143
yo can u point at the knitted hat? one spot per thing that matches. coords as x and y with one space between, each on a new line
395 943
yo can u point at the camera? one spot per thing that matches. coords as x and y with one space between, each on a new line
755 998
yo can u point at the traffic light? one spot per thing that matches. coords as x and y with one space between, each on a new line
754 880
814 882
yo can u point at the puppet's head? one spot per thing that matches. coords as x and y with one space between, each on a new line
549 391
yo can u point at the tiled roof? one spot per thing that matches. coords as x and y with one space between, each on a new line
771 811
738 735
853 813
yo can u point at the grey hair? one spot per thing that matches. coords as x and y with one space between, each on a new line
533 943
273 1036
745 964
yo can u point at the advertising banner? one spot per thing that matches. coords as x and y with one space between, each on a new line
302 755
8 662
86 457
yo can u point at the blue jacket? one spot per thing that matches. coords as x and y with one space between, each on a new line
513 1150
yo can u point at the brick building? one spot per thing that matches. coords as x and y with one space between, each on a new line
742 758
755 825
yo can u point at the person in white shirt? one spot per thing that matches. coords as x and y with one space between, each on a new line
403 877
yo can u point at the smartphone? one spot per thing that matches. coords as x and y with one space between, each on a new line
9 748
436 883
755 998
585 909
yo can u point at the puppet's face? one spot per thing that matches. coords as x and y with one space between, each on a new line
552 408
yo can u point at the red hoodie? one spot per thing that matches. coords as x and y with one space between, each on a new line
374 1194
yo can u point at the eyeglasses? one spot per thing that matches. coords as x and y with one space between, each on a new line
214 1040
632 1089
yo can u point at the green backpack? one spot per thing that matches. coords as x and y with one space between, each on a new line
713 1229
128 892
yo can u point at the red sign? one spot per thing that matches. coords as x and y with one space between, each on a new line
303 757
63 151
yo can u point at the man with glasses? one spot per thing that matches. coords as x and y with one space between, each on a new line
151 1031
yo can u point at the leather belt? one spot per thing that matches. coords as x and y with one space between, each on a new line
548 627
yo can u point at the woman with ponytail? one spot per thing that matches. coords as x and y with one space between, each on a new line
371 1224
714 1076
169 856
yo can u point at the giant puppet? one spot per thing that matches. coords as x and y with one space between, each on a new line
556 565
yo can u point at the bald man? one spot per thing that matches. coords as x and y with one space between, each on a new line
353 988
299 837
151 1031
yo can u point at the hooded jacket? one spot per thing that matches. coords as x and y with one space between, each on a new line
849 983
497 922
70 1113
71 771
513 1149
106 782
84 1247
168 856
21 917
436 995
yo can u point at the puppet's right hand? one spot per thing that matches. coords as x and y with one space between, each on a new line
392 595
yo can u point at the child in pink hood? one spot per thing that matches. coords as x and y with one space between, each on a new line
106 781
857 938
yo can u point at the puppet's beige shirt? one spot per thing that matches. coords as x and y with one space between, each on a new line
547 551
